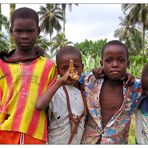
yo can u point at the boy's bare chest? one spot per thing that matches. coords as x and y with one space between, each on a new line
111 100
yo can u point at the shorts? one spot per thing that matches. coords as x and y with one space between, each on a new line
11 137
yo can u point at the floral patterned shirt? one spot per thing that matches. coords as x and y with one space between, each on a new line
116 130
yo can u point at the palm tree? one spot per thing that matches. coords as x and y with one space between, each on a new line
50 18
12 44
129 34
3 42
137 14
3 38
42 42
0 18
3 21
59 41
64 13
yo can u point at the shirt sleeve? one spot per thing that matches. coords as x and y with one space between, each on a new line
136 92
52 76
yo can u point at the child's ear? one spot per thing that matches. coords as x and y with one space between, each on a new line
10 30
57 69
82 66
39 30
101 63
128 64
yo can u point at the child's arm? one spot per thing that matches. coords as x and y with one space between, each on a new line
44 100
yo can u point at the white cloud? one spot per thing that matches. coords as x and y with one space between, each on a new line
86 21
92 21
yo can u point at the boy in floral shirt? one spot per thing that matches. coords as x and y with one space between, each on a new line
110 102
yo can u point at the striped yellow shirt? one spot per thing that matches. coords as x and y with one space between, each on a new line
20 85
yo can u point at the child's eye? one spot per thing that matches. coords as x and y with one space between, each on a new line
108 60
65 67
121 60
76 66
30 30
18 30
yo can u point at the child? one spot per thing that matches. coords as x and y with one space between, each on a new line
141 130
24 75
110 103
67 106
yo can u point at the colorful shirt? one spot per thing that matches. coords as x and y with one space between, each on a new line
59 125
20 85
116 130
141 130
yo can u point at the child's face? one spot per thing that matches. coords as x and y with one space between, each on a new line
145 80
25 33
114 62
63 64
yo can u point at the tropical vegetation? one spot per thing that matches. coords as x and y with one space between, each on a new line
133 31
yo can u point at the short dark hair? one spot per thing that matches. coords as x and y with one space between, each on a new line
25 13
114 42
68 50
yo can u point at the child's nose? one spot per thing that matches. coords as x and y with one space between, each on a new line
115 64
24 36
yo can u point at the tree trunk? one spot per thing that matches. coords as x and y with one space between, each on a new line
0 23
64 21
12 43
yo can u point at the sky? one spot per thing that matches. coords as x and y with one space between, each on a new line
87 21
93 21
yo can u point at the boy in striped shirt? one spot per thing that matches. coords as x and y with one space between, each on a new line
24 75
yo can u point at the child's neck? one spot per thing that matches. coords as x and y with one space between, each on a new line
23 54
76 84
113 83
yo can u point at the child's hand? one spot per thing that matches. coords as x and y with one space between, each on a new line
97 72
65 77
128 79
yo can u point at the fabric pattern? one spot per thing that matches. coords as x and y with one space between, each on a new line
20 85
116 130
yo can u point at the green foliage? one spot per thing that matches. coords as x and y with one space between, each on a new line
90 63
42 42
58 42
50 17
91 52
4 46
136 64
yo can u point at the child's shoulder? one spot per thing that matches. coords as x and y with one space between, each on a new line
47 60
90 81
